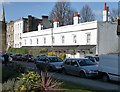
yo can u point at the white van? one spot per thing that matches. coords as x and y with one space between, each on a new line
109 67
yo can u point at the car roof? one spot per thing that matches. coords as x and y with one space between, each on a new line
77 58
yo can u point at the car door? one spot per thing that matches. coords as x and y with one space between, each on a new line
74 68
67 65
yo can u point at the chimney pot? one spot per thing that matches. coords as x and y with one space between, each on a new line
55 20
76 14
105 8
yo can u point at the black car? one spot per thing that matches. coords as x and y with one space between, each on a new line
17 57
28 58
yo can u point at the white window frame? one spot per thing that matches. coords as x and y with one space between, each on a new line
44 40
88 38
63 39
30 41
74 38
53 39
37 41
25 41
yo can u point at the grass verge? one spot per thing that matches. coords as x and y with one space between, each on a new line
72 87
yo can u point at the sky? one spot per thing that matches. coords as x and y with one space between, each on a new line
16 10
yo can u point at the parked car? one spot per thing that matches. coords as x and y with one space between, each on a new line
93 58
17 57
28 58
80 66
51 63
39 57
109 67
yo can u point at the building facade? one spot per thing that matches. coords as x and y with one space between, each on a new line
18 30
10 34
95 37
24 25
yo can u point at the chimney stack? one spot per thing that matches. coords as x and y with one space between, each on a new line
55 23
106 13
29 23
105 7
76 18
40 27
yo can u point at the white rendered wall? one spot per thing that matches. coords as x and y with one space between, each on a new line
68 31
108 39
18 30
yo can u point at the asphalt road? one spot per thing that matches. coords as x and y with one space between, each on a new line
92 83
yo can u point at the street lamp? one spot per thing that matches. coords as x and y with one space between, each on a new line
52 37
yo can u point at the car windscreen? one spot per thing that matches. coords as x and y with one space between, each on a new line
86 62
41 58
55 59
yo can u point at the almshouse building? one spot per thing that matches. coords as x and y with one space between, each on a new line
95 37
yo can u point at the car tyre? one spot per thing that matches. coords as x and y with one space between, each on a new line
105 77
64 71
82 74
50 69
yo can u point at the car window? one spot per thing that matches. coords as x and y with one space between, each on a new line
86 62
82 63
68 62
55 59
74 63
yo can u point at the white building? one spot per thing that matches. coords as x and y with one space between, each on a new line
18 30
95 37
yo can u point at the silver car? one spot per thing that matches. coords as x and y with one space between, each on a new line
80 66
51 63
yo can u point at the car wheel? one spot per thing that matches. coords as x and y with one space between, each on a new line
105 77
50 69
64 71
82 74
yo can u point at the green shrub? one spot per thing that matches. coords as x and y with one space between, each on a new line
47 83
62 56
11 71
51 54
17 50
27 81
38 51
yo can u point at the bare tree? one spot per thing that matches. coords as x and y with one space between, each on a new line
86 14
63 12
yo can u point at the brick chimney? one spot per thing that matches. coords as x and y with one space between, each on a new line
30 22
106 13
